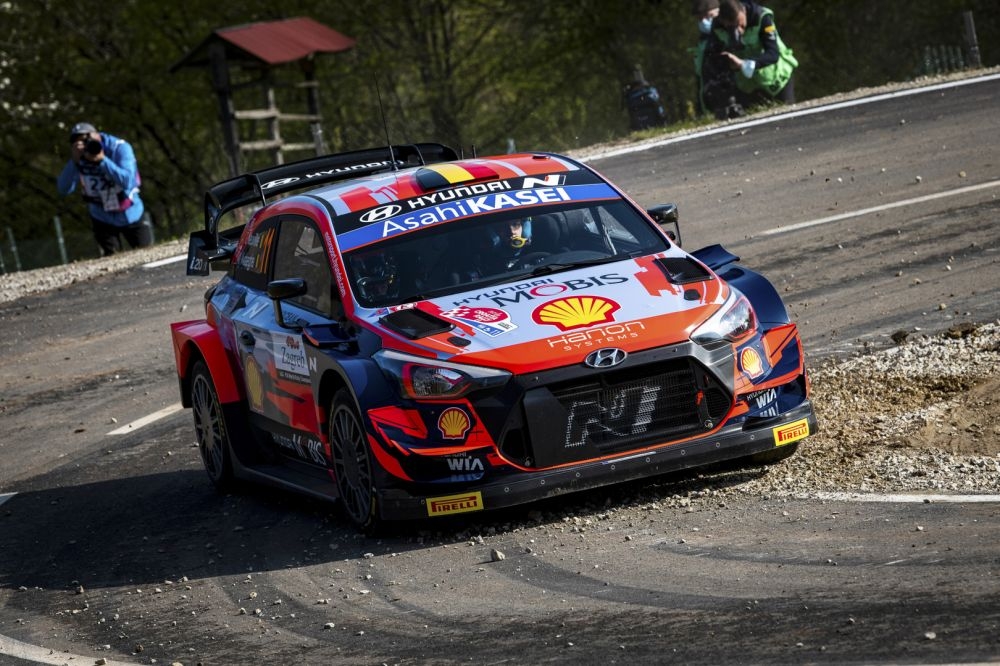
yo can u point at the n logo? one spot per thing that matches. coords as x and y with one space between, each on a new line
551 180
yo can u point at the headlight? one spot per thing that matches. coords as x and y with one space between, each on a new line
733 321
425 379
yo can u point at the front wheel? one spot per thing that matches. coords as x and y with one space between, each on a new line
352 464
210 428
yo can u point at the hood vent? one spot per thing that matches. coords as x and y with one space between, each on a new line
683 270
415 324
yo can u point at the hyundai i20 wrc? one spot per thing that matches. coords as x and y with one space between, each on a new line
415 335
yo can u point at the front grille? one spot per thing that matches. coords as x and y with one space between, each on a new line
621 410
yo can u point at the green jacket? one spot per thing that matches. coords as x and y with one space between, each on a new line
772 77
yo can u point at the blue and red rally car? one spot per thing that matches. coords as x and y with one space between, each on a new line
420 335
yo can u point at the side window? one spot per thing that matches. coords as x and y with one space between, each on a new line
301 255
252 261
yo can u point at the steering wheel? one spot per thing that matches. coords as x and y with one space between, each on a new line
532 258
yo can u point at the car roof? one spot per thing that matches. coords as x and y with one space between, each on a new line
420 183
436 192
361 187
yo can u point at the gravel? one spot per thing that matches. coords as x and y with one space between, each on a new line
24 283
920 419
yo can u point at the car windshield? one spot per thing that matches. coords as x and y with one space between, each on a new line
472 252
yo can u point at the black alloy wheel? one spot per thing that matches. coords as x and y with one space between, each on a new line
210 428
352 462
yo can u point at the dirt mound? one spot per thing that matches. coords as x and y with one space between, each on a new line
922 415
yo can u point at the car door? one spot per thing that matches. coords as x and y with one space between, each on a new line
275 367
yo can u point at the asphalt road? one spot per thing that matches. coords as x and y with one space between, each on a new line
116 547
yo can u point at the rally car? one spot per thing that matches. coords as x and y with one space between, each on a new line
416 334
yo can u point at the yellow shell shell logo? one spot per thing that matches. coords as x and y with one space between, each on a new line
575 312
750 362
454 423
255 384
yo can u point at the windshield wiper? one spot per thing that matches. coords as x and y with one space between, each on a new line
456 288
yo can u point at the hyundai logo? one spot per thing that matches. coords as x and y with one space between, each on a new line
605 358
381 213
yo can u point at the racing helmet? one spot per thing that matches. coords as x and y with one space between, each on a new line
376 275
518 241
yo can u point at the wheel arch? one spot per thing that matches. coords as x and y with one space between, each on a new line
331 382
197 340
763 296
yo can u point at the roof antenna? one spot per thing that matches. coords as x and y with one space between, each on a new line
385 126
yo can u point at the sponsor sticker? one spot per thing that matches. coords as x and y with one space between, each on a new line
597 337
255 384
792 432
390 225
454 423
461 503
542 288
576 312
751 363
491 321
763 402
290 355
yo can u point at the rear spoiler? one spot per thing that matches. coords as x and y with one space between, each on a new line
204 246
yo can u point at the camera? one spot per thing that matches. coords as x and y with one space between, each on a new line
93 147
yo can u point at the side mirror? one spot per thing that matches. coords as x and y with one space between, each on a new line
665 215
279 290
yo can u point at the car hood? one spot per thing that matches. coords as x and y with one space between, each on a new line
555 320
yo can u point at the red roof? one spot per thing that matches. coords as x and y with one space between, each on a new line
272 42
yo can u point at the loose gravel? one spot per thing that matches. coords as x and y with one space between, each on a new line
921 416
24 283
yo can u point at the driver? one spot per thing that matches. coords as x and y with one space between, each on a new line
375 275
511 242
490 250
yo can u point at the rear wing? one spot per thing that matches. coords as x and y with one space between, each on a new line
206 247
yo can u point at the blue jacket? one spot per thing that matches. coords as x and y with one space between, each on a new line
110 187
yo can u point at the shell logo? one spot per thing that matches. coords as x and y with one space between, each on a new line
751 363
575 312
255 384
454 423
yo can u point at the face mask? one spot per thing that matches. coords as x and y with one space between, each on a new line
705 25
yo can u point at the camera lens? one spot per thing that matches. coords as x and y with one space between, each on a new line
92 147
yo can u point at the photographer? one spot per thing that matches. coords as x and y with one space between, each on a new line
716 83
744 37
104 168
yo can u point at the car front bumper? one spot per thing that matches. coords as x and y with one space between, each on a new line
731 442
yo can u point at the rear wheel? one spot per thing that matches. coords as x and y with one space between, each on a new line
352 462
210 428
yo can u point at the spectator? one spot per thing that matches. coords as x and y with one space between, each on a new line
744 35
642 99
104 168
714 80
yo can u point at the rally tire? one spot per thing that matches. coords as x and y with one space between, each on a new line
210 428
352 463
